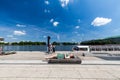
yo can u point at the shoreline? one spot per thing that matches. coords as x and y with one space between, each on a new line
40 55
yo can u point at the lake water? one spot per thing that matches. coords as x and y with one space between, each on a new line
36 48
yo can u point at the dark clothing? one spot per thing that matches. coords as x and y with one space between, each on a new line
54 49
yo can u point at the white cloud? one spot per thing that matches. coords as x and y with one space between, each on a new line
78 20
73 40
19 33
44 36
64 2
47 2
10 36
55 23
78 34
99 21
75 32
77 27
58 37
51 20
47 11
20 25
13 38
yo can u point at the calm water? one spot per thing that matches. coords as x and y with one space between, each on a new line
36 48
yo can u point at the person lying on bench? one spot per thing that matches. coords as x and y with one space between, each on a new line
61 56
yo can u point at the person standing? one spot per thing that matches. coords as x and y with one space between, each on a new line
0 50
53 48
50 48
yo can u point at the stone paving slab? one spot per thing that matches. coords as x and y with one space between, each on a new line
59 72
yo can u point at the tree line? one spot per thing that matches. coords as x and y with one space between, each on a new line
101 41
23 43
36 43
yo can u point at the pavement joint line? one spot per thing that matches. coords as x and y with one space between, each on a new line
60 78
45 62
80 74
112 74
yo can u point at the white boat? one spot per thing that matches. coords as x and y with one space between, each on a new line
81 48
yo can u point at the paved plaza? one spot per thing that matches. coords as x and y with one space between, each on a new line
59 72
32 66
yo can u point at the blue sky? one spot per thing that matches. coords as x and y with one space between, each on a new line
63 20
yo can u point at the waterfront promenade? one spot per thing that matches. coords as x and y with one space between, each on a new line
32 66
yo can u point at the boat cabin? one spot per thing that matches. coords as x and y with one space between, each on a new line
81 48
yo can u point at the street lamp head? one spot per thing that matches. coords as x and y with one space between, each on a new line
48 37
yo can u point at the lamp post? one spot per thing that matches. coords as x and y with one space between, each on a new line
48 44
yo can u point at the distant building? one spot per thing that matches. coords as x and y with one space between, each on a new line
89 48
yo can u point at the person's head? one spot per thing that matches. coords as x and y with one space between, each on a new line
71 55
